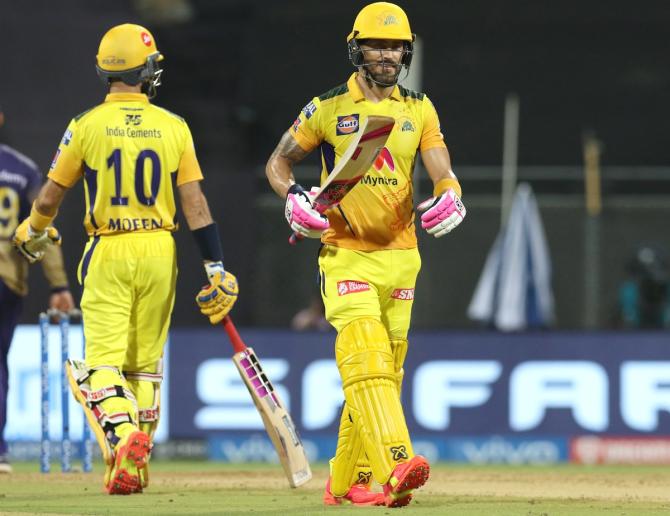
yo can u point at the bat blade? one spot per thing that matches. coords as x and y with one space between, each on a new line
355 162
277 420
353 165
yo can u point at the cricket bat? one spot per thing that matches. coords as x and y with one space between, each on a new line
353 165
277 420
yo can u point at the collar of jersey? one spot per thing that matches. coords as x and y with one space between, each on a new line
357 94
118 97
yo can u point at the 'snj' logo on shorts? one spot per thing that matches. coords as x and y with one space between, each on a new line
404 294
351 287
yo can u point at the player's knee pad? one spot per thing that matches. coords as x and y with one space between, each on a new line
363 352
146 387
399 349
366 363
101 419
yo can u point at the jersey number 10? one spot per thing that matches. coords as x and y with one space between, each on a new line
114 161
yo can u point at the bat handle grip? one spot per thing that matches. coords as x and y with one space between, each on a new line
295 238
235 339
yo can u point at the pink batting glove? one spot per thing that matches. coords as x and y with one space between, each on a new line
442 214
301 215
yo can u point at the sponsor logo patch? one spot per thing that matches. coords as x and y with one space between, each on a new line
309 110
351 287
113 60
67 137
399 452
55 160
146 39
133 119
296 123
458 203
384 157
347 124
404 294
364 477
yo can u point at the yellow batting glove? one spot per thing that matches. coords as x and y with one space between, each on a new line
217 299
32 244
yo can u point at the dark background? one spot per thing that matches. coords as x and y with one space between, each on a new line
239 71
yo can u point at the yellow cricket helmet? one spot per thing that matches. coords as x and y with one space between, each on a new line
381 20
386 21
128 53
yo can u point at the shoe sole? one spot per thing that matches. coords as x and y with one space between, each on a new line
136 451
330 499
414 477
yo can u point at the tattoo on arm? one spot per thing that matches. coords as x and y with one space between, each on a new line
289 149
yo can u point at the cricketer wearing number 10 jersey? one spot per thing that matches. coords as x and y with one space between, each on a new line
133 157
133 150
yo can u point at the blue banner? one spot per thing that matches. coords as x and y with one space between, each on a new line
468 396
456 384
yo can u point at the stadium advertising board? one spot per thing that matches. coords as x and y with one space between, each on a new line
473 397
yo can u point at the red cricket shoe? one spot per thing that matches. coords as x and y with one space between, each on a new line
359 494
132 454
405 477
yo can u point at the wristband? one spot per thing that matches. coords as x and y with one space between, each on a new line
209 242
444 184
295 188
38 221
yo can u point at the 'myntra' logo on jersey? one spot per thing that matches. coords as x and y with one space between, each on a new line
351 287
347 124
133 119
384 156
146 39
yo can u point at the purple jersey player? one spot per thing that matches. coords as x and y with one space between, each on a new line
20 180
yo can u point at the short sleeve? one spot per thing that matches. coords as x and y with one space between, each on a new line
67 165
306 129
189 168
431 136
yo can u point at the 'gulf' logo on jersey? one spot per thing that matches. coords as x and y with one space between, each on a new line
146 39
347 124
351 287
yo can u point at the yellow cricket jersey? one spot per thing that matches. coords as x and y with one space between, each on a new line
378 213
130 154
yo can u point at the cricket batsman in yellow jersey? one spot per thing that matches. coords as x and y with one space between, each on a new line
132 157
369 259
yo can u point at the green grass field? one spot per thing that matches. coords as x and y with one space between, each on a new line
212 488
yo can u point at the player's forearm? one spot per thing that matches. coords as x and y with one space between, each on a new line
50 197
279 172
438 165
279 169
194 205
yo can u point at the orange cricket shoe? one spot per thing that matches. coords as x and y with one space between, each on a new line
406 476
359 494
